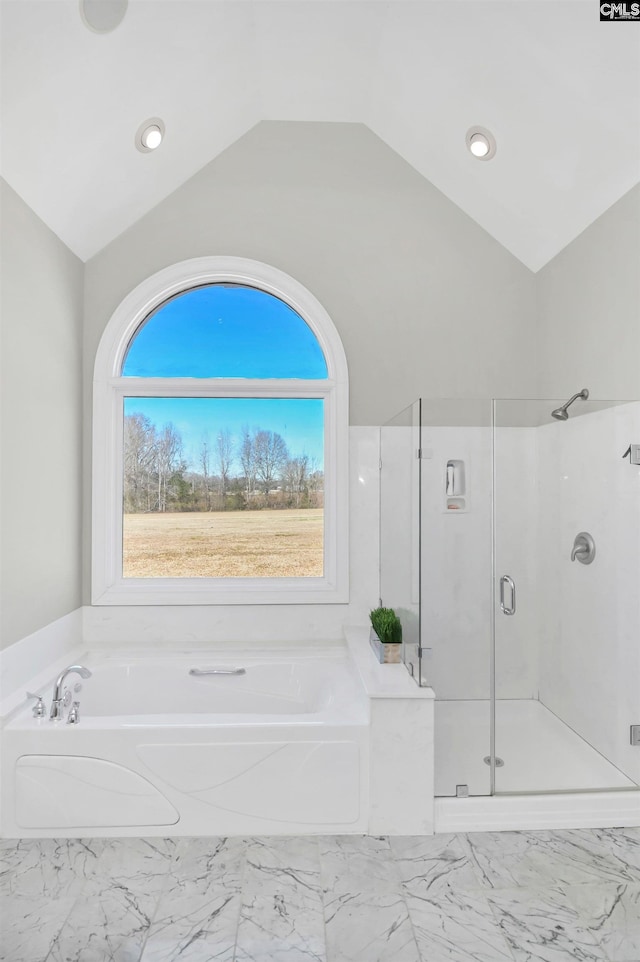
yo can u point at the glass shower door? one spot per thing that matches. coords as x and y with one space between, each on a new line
456 589
566 603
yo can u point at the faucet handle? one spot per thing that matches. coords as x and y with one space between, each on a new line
74 714
39 709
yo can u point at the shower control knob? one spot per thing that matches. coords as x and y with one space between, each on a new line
584 548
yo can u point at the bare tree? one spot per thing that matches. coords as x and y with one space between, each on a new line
315 485
205 464
155 479
224 458
169 451
139 462
248 460
294 476
271 455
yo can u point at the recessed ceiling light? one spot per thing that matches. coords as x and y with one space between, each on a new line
102 16
149 135
481 143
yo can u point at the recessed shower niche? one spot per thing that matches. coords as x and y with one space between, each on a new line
455 485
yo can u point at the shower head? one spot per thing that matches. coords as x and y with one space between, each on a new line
561 413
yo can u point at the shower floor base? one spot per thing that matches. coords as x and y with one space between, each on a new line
540 753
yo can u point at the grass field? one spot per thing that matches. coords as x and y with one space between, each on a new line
231 544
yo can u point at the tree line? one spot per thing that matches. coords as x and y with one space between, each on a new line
253 471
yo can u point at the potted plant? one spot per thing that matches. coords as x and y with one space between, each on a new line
385 636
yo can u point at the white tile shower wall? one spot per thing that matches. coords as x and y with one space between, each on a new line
203 625
457 564
590 614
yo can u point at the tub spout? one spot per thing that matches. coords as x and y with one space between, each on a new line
56 705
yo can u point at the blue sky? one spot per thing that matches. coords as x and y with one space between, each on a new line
224 330
300 421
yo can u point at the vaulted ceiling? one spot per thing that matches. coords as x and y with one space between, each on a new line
559 89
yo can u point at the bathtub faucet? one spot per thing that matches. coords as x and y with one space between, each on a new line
56 706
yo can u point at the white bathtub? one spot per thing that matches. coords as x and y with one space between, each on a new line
282 748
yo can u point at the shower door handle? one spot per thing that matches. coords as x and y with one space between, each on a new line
507 609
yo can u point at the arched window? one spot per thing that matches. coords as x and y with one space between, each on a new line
220 442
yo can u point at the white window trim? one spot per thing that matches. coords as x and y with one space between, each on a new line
109 390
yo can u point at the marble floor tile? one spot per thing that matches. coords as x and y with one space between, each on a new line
457 926
545 858
197 915
195 928
121 880
366 915
363 927
612 913
29 926
109 922
569 896
282 926
354 863
44 867
281 917
138 860
618 846
206 858
433 865
289 861
543 925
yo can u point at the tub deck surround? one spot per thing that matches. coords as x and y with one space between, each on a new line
401 732
53 647
379 680
282 748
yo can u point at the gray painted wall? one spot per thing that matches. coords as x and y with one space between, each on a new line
40 423
425 301
589 309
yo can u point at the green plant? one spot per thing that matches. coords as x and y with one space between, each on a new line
386 625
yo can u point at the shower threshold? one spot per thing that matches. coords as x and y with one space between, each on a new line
502 813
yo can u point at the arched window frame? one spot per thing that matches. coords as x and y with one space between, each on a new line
110 389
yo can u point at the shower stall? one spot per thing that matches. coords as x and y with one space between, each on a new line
510 546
